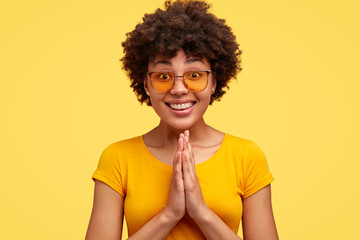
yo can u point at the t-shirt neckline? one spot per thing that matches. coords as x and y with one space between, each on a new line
167 167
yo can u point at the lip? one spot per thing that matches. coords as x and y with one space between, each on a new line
180 113
179 101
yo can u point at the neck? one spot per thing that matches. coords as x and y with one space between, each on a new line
166 134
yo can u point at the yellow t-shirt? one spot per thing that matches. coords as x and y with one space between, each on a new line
237 170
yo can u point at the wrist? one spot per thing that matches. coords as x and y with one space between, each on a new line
169 216
203 215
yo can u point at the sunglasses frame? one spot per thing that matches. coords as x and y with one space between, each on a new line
173 79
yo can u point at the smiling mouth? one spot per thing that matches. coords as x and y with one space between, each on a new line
180 106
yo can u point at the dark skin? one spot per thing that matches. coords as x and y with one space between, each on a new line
182 141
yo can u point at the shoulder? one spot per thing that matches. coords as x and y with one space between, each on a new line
124 144
122 147
238 142
242 147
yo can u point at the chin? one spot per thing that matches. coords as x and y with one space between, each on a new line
181 124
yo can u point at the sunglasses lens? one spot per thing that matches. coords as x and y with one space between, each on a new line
162 81
196 81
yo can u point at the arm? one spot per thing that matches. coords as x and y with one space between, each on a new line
107 214
160 225
106 220
210 224
258 219
213 227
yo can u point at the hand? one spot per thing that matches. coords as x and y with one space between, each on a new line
175 206
194 201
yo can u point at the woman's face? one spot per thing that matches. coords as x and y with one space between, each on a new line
180 108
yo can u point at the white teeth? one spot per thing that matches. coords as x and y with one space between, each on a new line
181 106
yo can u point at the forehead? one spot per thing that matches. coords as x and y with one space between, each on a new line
180 59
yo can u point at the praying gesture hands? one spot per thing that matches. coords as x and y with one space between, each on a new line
185 196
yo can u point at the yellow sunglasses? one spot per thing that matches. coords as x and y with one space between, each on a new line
194 81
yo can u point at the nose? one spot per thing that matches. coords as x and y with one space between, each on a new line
179 87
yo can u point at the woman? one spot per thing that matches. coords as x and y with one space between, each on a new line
183 179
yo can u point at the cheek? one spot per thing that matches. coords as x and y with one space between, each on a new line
204 102
156 103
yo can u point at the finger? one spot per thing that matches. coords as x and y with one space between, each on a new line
187 176
190 168
185 165
178 172
176 160
191 153
187 133
179 150
177 166
180 144
188 149
186 140
186 157
187 152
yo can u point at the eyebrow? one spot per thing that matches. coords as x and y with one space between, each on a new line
167 62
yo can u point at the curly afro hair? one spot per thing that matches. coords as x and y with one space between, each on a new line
187 25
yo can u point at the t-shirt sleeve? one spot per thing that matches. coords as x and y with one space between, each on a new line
108 169
256 170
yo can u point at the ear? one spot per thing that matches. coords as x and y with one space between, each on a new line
146 87
213 86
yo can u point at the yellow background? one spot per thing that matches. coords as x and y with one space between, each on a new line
64 98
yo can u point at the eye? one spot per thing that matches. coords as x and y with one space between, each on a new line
197 75
164 76
194 75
